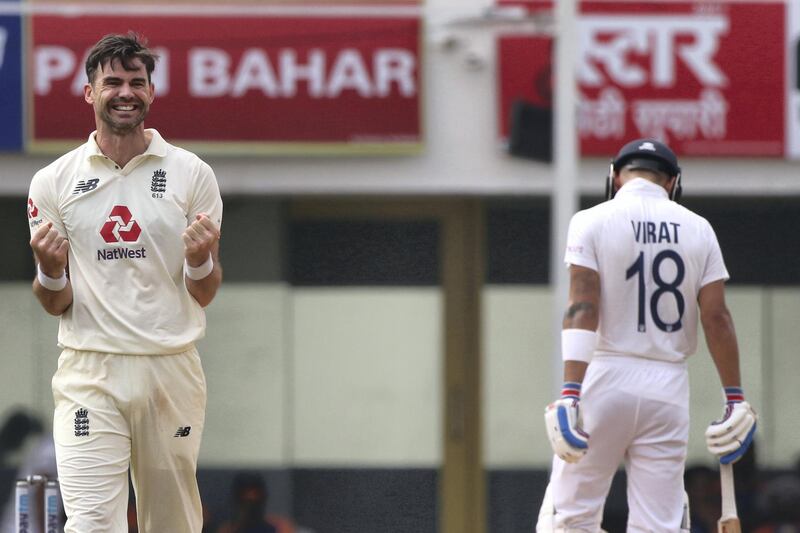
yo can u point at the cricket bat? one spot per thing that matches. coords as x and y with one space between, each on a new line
729 521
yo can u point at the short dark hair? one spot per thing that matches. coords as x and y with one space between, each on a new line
125 48
247 480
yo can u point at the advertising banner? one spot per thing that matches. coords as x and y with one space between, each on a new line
245 84
706 77
10 84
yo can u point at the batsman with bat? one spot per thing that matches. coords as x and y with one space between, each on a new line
638 263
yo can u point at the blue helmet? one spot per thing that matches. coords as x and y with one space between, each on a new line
648 154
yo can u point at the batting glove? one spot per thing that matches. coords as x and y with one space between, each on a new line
563 421
730 437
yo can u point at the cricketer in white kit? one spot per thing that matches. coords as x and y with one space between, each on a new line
640 267
125 232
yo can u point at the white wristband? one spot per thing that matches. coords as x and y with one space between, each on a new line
51 284
200 272
578 344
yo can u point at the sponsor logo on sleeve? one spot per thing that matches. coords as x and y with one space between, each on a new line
33 214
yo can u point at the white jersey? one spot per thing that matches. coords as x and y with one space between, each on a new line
124 227
653 257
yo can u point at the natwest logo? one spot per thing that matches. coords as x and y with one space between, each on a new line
33 211
120 226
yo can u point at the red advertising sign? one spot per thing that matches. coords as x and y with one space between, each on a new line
286 84
706 77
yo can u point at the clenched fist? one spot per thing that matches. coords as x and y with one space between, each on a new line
51 250
199 239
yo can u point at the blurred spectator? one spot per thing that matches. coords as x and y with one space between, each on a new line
779 503
133 521
209 526
702 486
250 497
15 431
40 459
747 478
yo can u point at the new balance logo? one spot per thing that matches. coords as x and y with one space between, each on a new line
159 181
86 186
81 423
183 431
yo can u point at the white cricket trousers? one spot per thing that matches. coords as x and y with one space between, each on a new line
114 412
636 412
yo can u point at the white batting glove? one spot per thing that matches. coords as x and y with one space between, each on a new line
562 419
730 437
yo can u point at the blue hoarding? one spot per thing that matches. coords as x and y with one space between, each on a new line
10 84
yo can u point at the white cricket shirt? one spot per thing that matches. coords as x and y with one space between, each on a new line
124 227
653 256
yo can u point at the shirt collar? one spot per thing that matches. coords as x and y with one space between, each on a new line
157 146
641 187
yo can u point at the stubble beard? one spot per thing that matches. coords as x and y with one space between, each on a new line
123 128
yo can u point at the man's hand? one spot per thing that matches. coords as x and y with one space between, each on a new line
51 250
199 239
730 437
563 421
51 253
202 271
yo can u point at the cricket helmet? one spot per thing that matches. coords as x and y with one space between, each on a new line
648 154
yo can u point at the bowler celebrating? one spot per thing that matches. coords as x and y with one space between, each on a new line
125 233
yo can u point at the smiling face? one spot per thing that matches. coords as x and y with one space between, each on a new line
120 97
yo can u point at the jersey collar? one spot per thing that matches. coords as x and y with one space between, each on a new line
641 187
157 146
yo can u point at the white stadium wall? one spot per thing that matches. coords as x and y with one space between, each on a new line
374 398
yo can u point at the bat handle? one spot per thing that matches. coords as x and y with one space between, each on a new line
728 491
